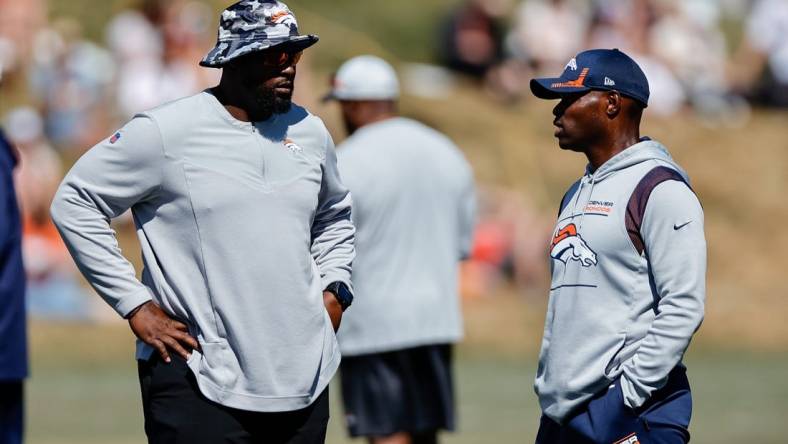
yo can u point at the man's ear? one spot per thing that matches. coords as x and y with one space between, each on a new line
614 104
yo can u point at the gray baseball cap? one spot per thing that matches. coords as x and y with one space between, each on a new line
254 25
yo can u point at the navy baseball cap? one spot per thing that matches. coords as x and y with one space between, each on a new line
596 69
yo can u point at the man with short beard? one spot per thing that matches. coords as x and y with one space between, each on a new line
246 240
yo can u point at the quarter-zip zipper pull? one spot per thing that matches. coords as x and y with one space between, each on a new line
261 145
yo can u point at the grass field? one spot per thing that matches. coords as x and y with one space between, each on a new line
84 388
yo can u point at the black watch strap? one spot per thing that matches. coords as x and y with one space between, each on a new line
342 293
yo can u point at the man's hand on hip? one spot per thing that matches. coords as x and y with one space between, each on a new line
154 327
333 308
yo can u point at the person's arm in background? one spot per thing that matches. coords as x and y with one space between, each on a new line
467 214
333 233
673 235
109 179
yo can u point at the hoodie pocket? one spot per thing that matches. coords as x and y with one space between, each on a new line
613 359
219 365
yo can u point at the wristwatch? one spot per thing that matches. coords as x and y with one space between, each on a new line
342 293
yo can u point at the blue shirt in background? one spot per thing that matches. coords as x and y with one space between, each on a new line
13 332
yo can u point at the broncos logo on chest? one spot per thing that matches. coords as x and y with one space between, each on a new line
568 245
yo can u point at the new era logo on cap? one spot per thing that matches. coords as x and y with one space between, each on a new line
598 69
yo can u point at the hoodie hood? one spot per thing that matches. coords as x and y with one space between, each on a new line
642 151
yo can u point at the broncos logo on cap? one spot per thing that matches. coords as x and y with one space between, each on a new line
568 245
280 17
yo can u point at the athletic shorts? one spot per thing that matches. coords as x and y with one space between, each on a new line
663 419
409 390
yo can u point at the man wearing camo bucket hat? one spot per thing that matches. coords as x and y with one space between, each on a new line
246 239
252 26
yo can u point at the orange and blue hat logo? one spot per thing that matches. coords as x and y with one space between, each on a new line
578 82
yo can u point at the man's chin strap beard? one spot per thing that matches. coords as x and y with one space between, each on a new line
266 104
282 106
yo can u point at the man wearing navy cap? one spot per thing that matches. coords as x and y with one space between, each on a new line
246 241
628 261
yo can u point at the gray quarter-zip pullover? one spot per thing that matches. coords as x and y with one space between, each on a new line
241 226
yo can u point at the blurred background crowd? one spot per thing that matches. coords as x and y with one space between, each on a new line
687 48
62 92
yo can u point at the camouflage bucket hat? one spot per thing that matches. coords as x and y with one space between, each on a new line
254 25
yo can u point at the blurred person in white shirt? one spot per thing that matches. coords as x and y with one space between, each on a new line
547 33
761 64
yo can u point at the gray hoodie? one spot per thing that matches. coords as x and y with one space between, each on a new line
241 226
628 281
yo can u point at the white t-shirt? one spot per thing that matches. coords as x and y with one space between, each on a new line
413 207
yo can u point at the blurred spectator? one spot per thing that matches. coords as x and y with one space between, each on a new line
679 45
547 33
762 68
133 35
159 63
40 170
471 40
629 28
686 36
188 35
623 26
19 21
70 78
509 244
667 93
491 262
53 290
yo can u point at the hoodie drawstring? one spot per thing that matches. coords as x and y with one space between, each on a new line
590 193
577 199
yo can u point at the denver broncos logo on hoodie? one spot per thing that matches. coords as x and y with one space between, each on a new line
568 245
